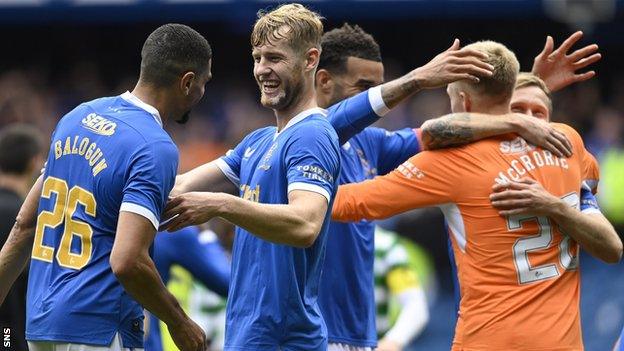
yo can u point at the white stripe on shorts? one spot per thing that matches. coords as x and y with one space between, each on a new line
346 347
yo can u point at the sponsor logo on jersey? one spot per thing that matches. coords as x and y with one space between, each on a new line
249 152
516 146
98 124
408 170
264 163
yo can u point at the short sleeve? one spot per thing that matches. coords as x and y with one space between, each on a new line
230 163
350 116
151 175
589 204
393 147
427 179
312 160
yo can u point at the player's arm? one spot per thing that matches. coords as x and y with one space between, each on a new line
426 179
197 260
591 230
558 68
297 223
207 177
17 249
220 175
449 66
352 115
135 270
151 172
462 128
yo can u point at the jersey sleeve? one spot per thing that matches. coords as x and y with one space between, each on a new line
426 179
590 171
589 204
230 163
352 115
151 175
393 147
312 161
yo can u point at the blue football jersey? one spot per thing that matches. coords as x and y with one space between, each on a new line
273 293
205 260
346 295
106 156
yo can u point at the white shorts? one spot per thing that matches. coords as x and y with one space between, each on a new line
345 347
55 346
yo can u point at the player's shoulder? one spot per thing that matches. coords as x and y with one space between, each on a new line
314 125
566 129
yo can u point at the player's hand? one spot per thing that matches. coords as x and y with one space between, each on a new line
188 336
191 209
452 65
558 69
525 196
541 133
388 345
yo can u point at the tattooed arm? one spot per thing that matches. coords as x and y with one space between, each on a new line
462 128
449 66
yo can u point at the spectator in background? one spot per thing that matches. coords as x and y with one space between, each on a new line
21 158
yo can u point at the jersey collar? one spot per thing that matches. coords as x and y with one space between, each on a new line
131 98
300 117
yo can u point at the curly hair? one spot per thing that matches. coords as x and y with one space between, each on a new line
347 41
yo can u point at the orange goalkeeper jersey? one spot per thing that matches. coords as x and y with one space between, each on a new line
519 278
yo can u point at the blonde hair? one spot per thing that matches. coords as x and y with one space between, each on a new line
506 68
527 79
294 22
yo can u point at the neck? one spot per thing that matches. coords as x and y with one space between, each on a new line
304 101
18 183
156 97
492 109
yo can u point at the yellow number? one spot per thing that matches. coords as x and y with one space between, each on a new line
49 219
64 208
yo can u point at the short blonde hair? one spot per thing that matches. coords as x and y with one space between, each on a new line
294 22
506 68
527 79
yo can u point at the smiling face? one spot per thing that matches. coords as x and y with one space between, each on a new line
532 101
278 70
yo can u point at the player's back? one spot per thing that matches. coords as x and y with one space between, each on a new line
518 275
102 155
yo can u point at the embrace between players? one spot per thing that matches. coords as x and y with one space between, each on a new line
516 191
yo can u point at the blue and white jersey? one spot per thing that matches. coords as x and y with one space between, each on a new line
273 293
204 259
589 204
106 156
346 296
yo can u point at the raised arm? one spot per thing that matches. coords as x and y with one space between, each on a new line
558 68
462 128
17 249
591 229
352 115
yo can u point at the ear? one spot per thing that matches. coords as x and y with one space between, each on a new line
186 82
324 80
312 59
466 101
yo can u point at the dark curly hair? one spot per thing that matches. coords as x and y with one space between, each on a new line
347 41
